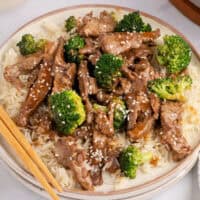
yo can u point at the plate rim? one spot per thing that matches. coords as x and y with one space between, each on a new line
158 20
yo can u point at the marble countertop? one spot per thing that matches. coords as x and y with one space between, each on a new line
11 19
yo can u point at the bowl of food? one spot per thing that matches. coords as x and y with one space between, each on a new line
107 96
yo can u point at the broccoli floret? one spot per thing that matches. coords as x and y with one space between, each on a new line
40 44
67 111
132 22
70 23
107 69
175 53
120 114
28 45
72 49
171 88
131 158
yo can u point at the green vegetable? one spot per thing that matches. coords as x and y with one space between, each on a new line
107 69
67 111
70 23
120 114
40 44
171 88
72 49
175 53
28 45
132 23
131 158
100 107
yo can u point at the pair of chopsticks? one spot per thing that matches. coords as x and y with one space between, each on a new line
17 140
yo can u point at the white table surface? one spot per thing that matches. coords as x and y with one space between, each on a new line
10 20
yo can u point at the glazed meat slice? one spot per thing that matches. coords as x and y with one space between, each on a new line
140 120
83 132
112 165
155 104
25 66
87 86
104 97
98 149
104 121
93 26
117 43
59 57
96 175
70 156
64 73
93 58
90 47
171 129
139 74
122 86
143 107
143 52
89 111
64 77
104 149
141 129
37 92
40 120
103 152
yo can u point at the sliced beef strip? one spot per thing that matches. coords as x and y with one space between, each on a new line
37 92
93 26
141 129
64 77
103 148
25 66
32 77
93 58
64 73
104 97
90 47
155 104
40 120
142 107
117 43
112 165
122 86
143 52
70 156
171 113
87 86
59 57
104 121
83 132
103 152
89 111
96 175
97 150
139 107
140 74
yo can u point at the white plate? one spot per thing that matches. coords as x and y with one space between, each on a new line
146 189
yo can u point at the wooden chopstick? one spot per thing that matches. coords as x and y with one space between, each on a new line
26 159
28 148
